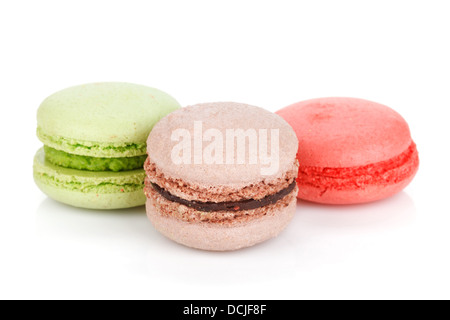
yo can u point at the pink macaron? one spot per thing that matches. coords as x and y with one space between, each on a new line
221 176
350 150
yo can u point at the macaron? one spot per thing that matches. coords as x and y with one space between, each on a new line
94 139
221 176
351 150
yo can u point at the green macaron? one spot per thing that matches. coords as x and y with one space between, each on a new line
94 139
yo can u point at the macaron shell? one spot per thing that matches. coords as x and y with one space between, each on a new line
346 132
358 184
102 201
216 237
351 196
92 148
104 114
221 116
351 150
89 189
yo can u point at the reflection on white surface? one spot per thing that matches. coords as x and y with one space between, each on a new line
57 219
124 240
317 234
327 235
393 212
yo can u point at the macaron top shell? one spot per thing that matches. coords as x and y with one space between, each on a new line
346 132
98 117
221 116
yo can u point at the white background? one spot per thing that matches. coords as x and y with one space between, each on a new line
265 53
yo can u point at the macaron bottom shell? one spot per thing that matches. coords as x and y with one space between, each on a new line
102 201
358 184
89 189
222 237
362 195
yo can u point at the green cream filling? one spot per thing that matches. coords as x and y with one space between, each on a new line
101 188
68 160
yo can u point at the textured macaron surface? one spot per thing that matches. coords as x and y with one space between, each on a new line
94 139
391 171
102 119
221 117
346 132
226 203
351 150
102 182
86 188
229 216
220 236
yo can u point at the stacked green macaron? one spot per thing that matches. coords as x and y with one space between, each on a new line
94 139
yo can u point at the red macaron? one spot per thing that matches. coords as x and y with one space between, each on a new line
351 150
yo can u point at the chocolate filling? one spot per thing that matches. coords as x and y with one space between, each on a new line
227 206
